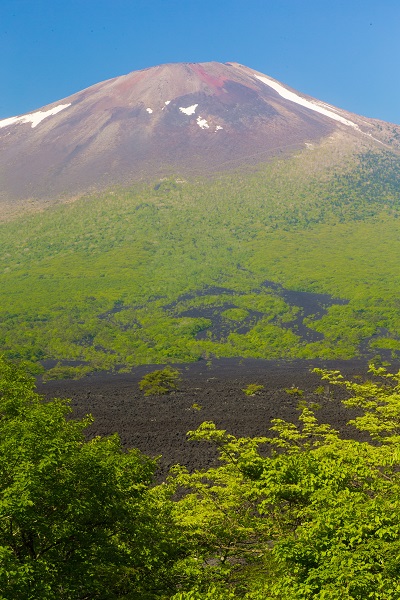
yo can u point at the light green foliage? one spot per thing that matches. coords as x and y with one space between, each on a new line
235 314
65 372
213 593
160 382
294 391
318 518
77 519
102 271
252 389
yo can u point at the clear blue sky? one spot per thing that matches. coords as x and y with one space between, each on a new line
345 52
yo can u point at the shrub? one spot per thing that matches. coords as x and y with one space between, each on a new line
294 391
66 372
252 389
162 381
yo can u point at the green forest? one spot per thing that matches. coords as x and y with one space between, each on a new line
298 514
183 270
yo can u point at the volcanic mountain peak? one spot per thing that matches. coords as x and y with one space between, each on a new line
173 118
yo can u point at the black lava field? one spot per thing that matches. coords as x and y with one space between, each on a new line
157 425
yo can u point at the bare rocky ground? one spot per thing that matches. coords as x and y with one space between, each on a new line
157 425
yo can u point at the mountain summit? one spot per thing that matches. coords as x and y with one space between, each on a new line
183 118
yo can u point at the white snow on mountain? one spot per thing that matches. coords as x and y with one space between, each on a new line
190 110
34 118
202 123
288 95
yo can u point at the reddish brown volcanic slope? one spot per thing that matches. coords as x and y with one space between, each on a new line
174 118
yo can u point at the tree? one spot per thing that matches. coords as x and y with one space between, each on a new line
160 382
77 518
319 518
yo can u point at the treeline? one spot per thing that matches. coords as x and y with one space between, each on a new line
299 514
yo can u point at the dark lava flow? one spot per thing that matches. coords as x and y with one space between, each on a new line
157 425
308 303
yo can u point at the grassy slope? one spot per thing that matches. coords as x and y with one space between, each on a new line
89 281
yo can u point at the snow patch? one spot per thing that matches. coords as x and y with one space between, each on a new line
288 95
149 110
34 118
167 102
202 123
190 110
218 128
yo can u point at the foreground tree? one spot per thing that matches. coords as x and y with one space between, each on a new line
77 519
319 518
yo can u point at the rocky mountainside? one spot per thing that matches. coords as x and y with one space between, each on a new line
184 119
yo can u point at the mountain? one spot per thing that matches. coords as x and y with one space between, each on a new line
186 119
231 217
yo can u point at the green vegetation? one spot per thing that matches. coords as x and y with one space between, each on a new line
252 389
235 314
175 274
318 518
294 391
60 371
310 516
160 382
77 519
